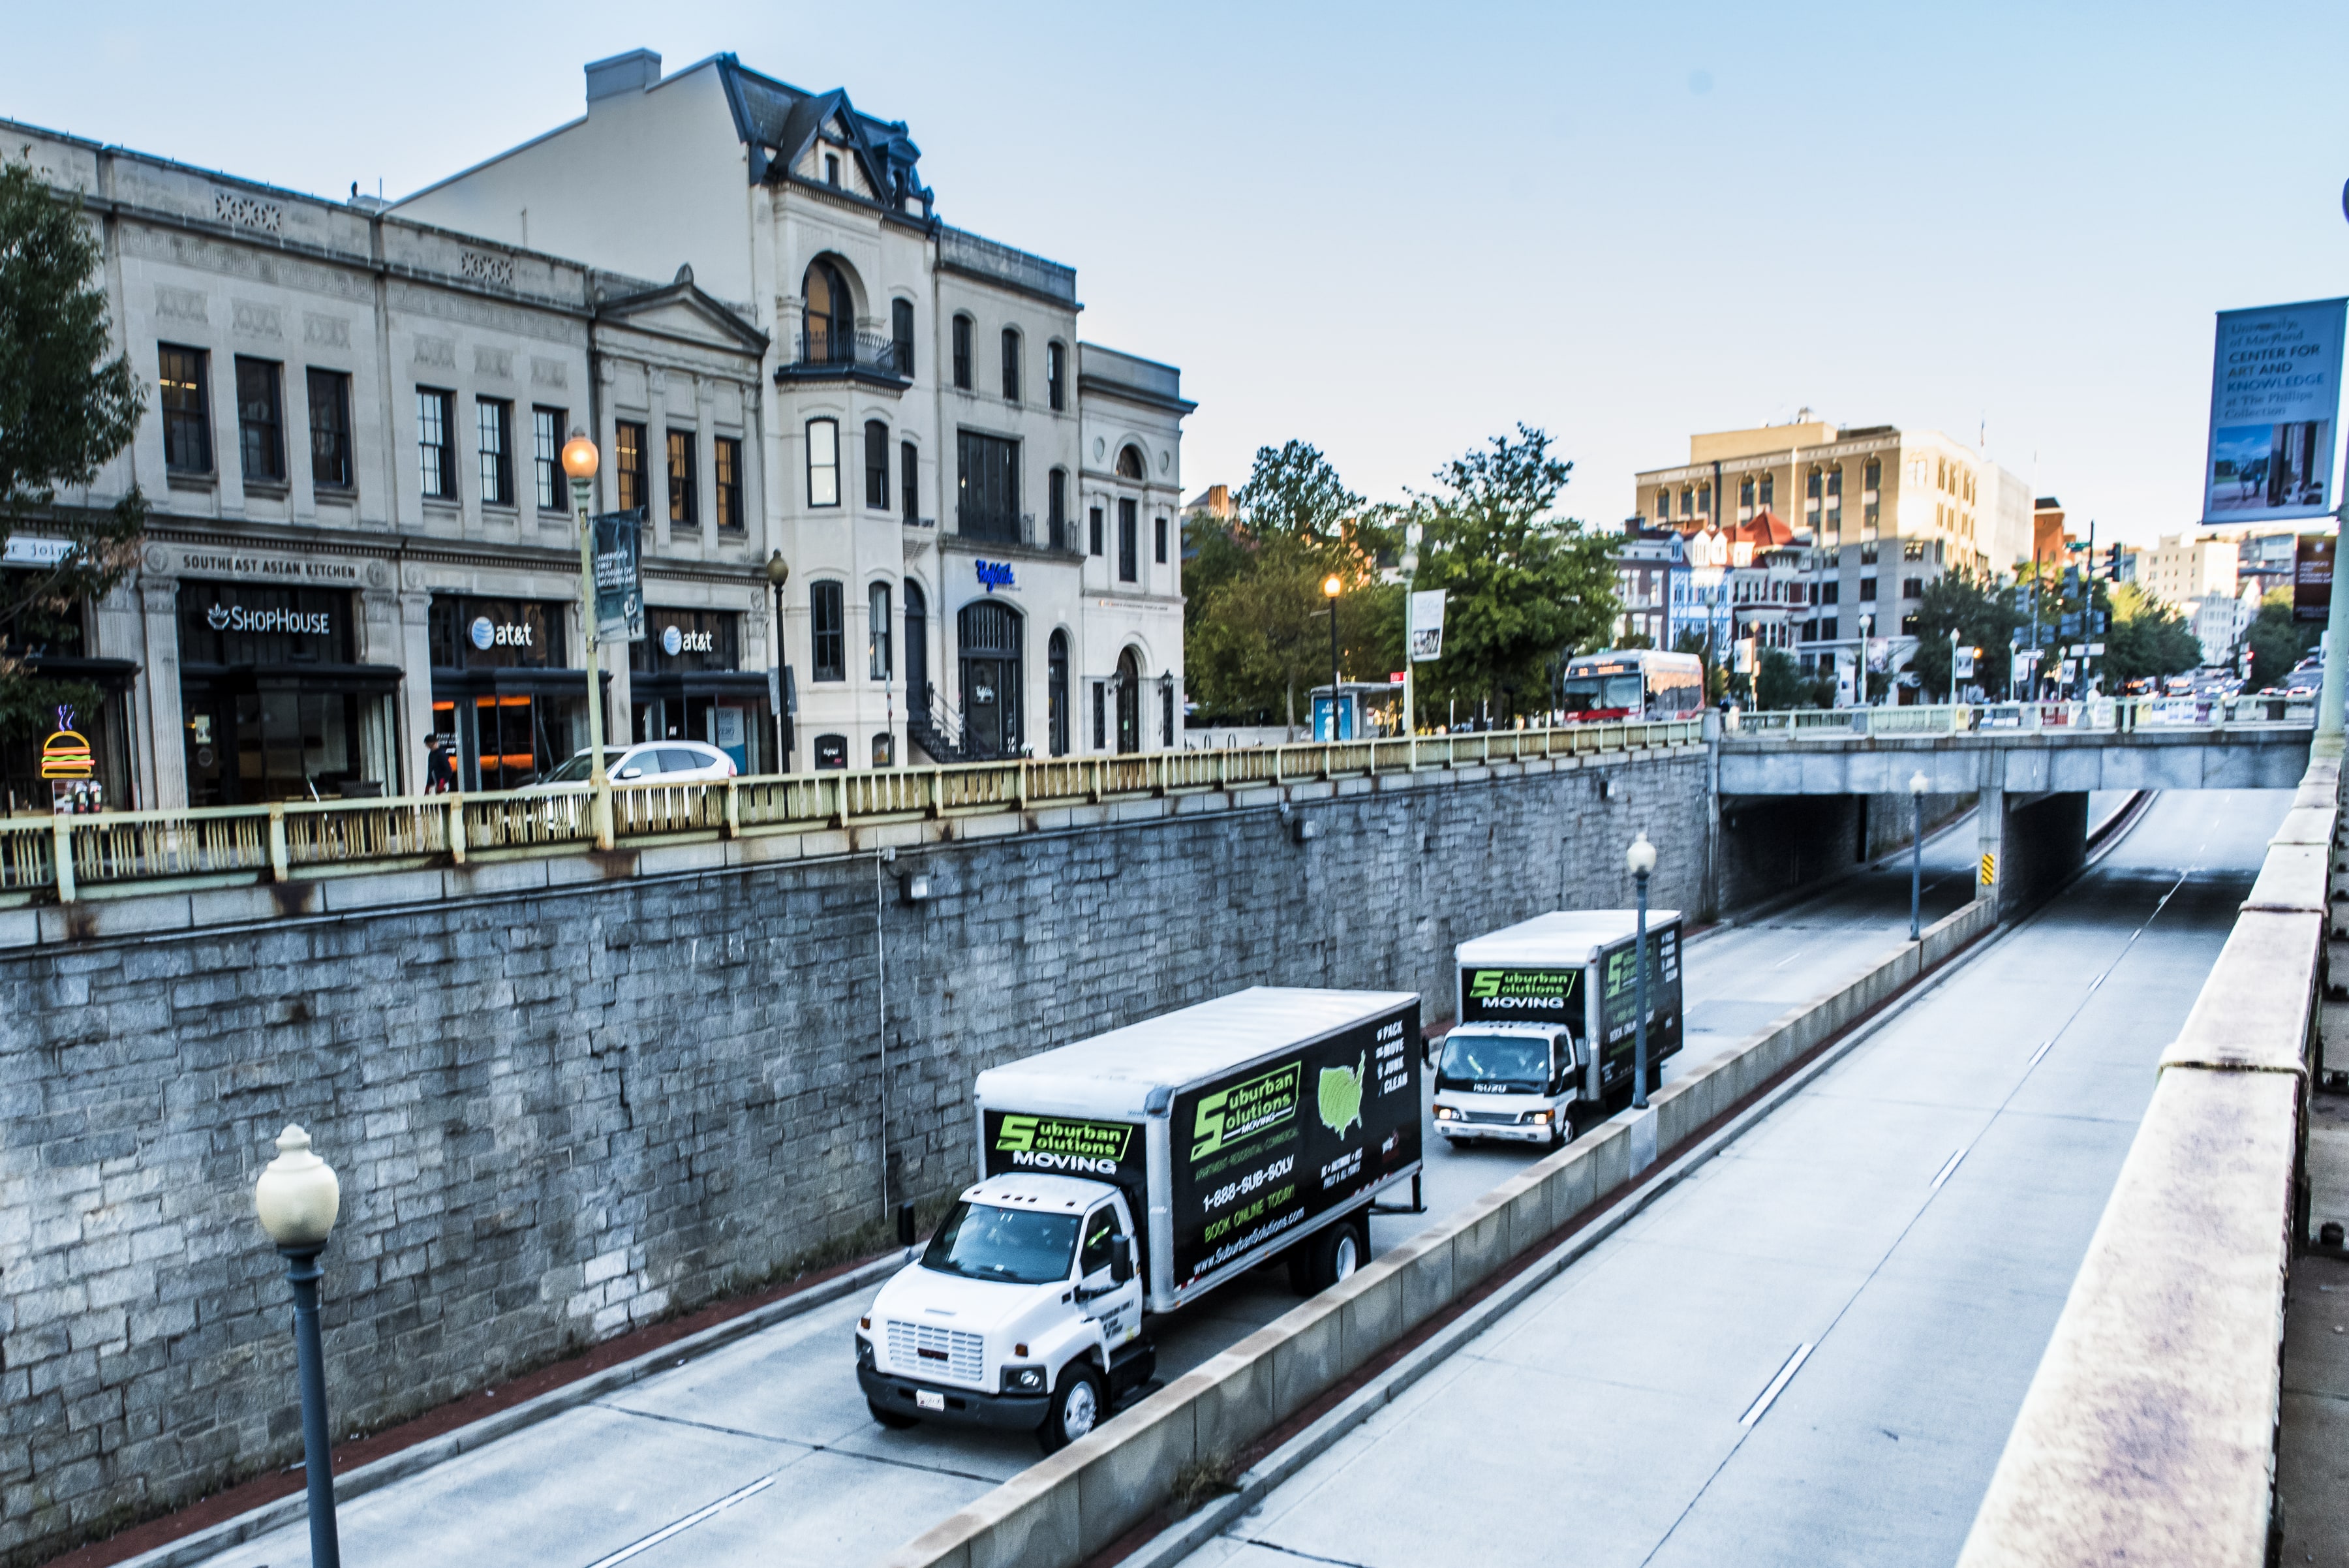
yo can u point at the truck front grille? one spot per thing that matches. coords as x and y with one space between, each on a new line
926 1350
1491 1116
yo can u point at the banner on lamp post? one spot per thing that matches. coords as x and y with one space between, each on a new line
2276 397
615 543
1426 630
2312 577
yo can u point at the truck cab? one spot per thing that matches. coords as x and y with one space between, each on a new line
1517 1082
1023 1314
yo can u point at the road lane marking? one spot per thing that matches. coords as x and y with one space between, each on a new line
1949 1168
1760 1404
802 1443
2044 1046
687 1522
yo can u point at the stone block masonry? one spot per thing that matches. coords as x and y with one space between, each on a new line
560 1114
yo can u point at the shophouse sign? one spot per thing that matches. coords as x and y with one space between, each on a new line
269 568
291 622
994 575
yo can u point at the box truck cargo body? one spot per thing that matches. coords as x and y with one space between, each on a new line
1544 1012
1132 1173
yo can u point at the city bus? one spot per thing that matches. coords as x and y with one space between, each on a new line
1633 683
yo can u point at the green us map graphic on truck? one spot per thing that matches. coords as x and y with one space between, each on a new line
1341 1096
1252 1162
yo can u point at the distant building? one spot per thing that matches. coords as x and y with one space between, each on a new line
2264 551
2048 540
1645 565
1215 502
1869 516
2220 619
2182 570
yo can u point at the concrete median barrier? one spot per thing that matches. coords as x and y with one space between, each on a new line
1058 1513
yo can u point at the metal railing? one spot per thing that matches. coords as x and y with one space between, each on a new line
2109 714
64 858
824 351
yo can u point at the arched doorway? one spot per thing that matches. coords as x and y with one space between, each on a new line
1056 692
989 633
1129 701
917 649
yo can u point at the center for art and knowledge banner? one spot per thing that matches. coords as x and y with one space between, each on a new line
2275 400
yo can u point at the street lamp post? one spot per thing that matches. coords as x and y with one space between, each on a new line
1641 858
1410 537
1917 785
579 459
1865 623
297 1199
779 572
1330 588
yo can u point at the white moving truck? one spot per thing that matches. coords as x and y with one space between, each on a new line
1130 1174
1545 1012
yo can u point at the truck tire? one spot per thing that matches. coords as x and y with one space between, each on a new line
896 1421
1329 1257
1077 1407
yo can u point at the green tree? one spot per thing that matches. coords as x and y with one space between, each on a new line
2146 639
66 411
1779 683
1983 616
2276 640
1525 587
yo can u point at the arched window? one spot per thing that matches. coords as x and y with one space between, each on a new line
1056 376
1129 463
1056 692
876 465
910 482
962 352
823 463
989 634
1769 491
827 612
1664 505
900 338
1011 365
828 333
879 666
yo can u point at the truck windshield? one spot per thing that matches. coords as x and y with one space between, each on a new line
1470 1057
1011 1245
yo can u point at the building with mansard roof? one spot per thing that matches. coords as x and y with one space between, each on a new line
979 512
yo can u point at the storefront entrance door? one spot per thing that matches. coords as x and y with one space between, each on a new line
989 634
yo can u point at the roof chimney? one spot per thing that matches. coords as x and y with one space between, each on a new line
632 72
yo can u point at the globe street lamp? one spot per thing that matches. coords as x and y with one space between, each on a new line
1641 858
1330 588
297 1199
579 460
779 572
1917 786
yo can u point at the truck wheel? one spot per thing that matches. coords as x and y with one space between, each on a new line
894 1420
1077 1409
1329 1257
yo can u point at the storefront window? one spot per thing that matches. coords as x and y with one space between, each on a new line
686 683
504 700
274 704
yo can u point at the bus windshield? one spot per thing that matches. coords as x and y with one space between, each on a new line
1013 1246
1588 693
1520 1061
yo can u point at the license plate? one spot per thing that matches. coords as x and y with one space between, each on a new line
926 1400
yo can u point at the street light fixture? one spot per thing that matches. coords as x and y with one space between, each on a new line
297 1199
1410 540
579 461
1918 785
1330 588
779 572
1641 858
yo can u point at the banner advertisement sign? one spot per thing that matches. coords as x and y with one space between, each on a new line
2311 578
614 538
2275 400
1426 635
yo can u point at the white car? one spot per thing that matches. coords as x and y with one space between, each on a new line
652 761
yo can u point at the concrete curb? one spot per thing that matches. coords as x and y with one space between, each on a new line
432 1452
1184 1536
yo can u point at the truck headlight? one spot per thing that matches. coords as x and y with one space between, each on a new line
1538 1119
1023 1380
1443 1113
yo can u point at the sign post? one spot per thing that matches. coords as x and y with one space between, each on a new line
1422 636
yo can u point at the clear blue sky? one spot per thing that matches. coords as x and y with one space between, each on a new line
1392 231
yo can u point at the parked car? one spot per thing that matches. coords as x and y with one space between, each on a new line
653 762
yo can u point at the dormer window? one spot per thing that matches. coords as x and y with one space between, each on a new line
832 169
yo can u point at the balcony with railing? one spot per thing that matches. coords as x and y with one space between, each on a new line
826 354
991 525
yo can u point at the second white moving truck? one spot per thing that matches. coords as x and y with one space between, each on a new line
1545 1012
1131 1173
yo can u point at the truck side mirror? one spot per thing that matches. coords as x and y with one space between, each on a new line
1121 1259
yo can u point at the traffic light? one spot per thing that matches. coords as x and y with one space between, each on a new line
2023 599
2071 581
2113 562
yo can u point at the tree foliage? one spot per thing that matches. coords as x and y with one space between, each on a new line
2147 639
1525 588
2277 641
1981 614
66 411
